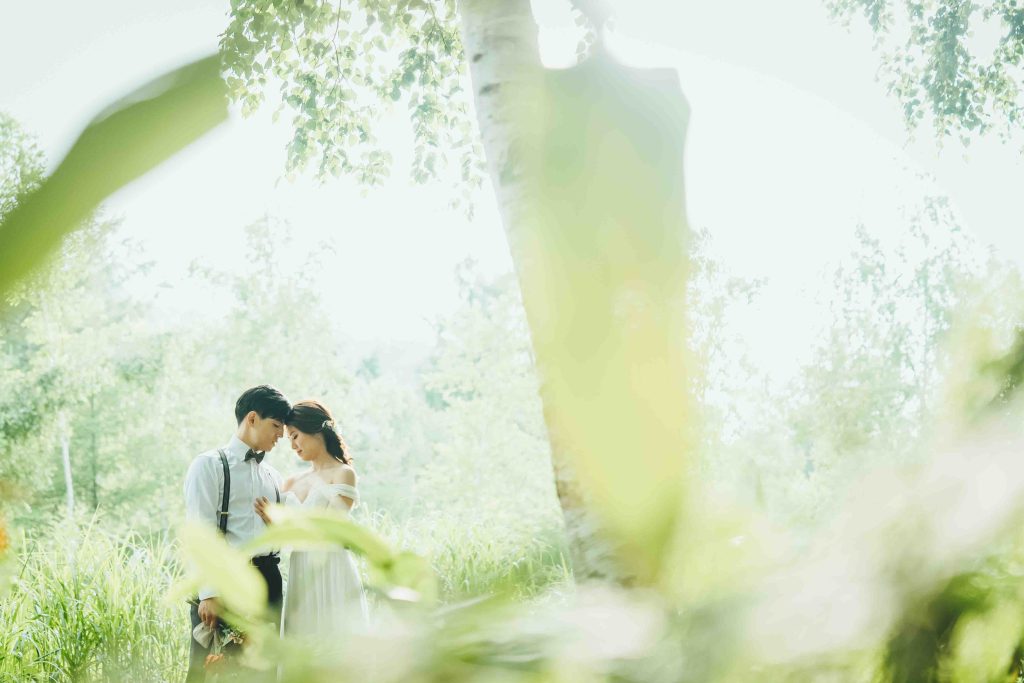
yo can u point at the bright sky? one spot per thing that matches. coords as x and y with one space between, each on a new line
791 143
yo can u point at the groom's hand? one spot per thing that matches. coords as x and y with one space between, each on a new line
208 610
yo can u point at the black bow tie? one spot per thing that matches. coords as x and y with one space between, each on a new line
253 455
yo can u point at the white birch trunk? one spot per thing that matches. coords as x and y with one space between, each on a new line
65 451
501 48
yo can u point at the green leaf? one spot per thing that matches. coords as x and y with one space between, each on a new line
318 530
124 142
239 586
404 576
982 645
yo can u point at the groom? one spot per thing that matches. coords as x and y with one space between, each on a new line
261 413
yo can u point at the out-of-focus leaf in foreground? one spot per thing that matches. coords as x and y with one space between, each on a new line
124 142
896 563
603 269
401 576
215 563
598 633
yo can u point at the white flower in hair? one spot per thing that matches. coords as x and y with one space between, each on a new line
328 424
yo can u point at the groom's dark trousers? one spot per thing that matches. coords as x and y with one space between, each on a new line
267 565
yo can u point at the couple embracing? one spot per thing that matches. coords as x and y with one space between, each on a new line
230 488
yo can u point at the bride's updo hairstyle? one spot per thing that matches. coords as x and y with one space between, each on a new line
313 417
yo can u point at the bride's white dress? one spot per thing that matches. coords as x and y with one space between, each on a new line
325 594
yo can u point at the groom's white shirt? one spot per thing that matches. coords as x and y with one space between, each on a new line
249 481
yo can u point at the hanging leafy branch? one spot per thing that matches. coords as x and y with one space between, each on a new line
936 63
340 65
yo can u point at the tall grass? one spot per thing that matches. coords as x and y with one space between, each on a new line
515 557
86 607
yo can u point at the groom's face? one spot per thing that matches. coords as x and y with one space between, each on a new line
265 431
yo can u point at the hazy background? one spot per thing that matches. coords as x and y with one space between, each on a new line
792 143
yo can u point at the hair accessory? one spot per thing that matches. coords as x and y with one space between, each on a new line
328 424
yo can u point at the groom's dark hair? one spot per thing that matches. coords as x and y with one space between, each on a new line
265 400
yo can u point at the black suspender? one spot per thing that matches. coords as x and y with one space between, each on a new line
222 516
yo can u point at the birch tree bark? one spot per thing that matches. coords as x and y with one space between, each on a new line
601 262
500 43
65 453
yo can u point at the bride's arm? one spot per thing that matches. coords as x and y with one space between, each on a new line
346 476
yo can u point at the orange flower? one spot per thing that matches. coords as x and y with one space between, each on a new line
213 661
5 541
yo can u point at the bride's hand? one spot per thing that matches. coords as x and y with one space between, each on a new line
261 509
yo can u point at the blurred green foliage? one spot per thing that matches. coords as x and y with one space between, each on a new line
128 139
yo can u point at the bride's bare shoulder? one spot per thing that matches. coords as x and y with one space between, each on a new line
343 474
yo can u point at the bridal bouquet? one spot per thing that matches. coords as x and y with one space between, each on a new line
227 642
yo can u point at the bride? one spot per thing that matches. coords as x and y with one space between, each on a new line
325 594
